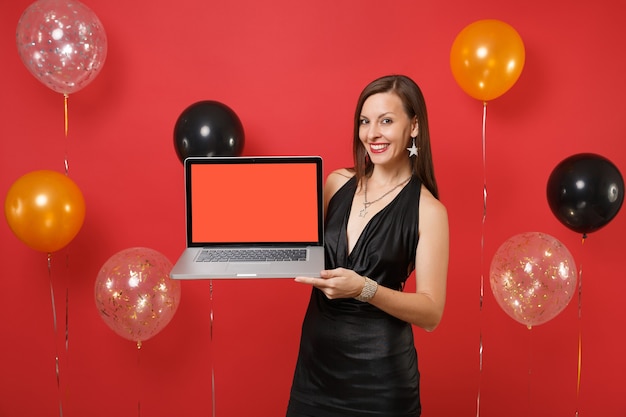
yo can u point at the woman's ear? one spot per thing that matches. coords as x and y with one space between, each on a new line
414 127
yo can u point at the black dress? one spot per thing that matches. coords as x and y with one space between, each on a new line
356 360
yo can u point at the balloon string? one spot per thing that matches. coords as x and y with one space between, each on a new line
484 160
482 258
139 378
482 239
66 118
212 349
54 322
65 99
67 325
67 321
530 364
580 333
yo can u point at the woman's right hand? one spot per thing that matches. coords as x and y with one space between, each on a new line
336 283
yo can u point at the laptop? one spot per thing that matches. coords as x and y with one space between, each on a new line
252 217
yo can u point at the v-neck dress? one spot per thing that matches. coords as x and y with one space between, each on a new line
356 360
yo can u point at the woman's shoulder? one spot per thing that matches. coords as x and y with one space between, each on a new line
341 174
339 177
430 206
335 180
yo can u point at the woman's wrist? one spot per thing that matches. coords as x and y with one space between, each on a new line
369 290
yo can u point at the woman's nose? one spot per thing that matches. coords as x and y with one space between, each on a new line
372 131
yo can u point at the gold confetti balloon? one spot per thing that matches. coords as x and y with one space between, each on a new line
134 294
533 277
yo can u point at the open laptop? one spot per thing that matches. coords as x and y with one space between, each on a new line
262 204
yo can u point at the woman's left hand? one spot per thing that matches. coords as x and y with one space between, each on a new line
336 283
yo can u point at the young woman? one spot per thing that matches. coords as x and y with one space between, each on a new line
383 220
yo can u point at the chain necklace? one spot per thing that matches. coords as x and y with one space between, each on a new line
366 203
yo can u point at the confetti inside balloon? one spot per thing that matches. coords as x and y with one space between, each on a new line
134 294
62 43
533 277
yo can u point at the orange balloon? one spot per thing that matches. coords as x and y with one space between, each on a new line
487 58
45 210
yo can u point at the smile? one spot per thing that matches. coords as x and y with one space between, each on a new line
379 147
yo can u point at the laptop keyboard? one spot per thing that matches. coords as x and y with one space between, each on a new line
251 255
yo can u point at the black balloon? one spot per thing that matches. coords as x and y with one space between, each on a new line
208 128
585 192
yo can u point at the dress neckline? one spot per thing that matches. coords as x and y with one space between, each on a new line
393 201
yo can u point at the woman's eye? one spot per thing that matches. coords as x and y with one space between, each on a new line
386 121
363 121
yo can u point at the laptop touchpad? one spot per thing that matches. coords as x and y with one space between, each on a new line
252 268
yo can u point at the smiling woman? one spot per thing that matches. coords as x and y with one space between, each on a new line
357 353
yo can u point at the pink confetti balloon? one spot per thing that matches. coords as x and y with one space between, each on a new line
62 43
533 277
135 295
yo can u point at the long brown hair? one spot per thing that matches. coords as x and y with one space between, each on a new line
415 107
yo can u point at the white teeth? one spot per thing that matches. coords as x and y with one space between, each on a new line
379 146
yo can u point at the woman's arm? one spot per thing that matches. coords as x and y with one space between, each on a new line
424 308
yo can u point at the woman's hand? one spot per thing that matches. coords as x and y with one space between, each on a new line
336 283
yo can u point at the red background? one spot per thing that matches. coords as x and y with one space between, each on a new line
292 72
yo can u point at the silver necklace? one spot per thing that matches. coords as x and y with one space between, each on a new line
366 203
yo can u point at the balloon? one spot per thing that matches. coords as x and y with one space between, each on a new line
45 210
487 58
134 294
585 192
208 128
533 277
62 43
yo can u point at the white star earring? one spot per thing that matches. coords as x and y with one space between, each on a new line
413 149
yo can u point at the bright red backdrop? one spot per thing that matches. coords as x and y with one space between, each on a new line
292 72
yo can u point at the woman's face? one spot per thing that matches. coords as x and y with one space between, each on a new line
385 129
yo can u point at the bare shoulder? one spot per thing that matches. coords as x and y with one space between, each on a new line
337 179
344 173
432 211
334 181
